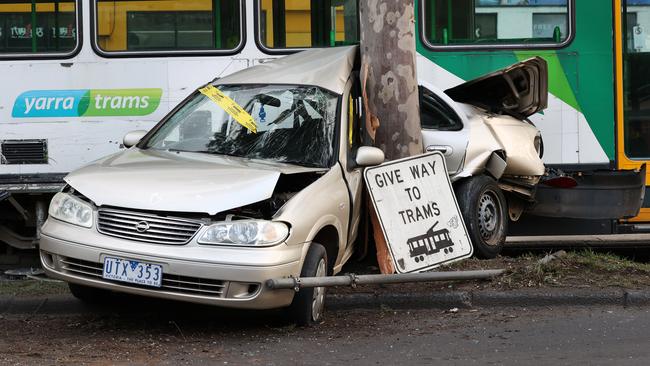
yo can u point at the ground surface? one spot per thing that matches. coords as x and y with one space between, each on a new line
127 334
41 323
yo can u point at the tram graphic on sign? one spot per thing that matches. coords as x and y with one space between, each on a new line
430 243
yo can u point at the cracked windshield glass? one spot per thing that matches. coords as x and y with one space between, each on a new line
295 124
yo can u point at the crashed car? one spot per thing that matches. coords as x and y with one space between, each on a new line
204 209
493 152
258 176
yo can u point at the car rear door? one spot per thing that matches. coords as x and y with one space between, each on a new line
444 127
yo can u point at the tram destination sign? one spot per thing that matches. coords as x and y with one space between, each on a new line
418 212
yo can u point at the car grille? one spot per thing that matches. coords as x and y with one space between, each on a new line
170 282
146 227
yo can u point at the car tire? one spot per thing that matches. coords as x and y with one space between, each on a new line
309 303
88 294
485 212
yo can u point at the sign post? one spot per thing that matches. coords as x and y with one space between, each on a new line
418 212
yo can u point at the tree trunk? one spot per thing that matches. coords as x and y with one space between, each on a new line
390 88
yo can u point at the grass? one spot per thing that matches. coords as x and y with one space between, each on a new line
607 262
581 269
26 288
584 268
578 269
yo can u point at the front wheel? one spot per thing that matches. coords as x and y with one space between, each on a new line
309 303
485 213
87 294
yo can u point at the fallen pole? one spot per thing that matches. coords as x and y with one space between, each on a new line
353 280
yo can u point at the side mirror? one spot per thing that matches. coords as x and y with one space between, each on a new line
369 156
133 137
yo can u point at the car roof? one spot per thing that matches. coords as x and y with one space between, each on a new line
328 68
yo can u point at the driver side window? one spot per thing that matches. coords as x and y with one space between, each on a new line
435 114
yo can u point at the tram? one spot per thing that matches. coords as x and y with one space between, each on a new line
79 74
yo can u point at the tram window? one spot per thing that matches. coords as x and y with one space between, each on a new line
41 27
490 22
308 23
435 114
486 25
636 81
167 25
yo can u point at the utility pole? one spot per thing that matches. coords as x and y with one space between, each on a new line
390 88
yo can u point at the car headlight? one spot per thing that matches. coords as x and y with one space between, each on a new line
246 233
72 210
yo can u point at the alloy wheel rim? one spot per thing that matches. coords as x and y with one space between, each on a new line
318 300
489 213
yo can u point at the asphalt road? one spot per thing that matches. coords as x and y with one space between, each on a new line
153 332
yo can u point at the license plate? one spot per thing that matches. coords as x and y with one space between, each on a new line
128 270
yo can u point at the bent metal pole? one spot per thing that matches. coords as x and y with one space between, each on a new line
353 280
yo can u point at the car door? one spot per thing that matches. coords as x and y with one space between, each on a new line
444 127
351 140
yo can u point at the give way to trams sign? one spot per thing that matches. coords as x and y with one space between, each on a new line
418 212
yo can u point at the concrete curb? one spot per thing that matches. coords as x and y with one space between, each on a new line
66 304
486 298
443 300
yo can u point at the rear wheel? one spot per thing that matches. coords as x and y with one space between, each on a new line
309 303
485 213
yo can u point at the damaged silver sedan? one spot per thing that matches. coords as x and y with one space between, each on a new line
205 209
258 176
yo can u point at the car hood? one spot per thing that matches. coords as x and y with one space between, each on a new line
178 181
519 90
328 68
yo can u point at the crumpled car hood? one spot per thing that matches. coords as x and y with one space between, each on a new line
179 182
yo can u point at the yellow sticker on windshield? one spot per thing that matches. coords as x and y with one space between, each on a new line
230 106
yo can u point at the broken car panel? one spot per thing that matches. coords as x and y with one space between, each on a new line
505 99
493 154
520 90
481 127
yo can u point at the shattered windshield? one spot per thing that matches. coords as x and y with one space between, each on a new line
295 124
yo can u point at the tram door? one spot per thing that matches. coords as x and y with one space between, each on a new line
635 147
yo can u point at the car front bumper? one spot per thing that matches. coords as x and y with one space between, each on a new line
224 276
